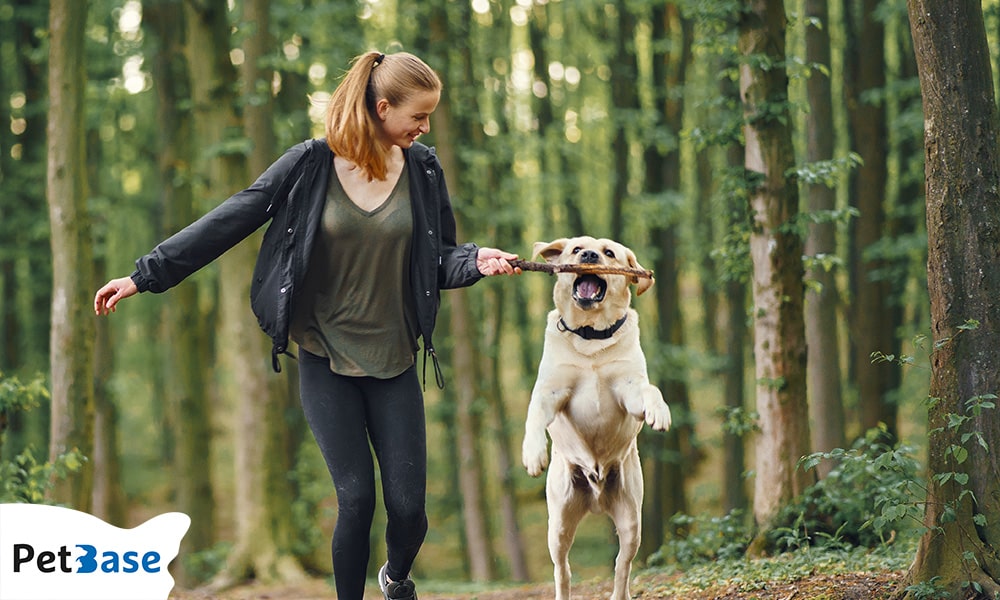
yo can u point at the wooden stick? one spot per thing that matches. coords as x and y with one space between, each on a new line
585 269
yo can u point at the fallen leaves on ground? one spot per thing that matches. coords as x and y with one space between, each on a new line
645 586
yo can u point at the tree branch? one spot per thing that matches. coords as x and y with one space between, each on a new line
585 269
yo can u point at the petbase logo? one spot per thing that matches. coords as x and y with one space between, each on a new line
54 553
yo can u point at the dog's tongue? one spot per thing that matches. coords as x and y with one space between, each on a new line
587 289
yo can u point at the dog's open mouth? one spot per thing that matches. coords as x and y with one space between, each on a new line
589 290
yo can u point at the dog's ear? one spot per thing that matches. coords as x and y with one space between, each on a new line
642 283
549 250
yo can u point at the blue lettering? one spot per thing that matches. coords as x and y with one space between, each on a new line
149 562
131 566
110 564
87 562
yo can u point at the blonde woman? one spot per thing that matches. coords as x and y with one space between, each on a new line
361 241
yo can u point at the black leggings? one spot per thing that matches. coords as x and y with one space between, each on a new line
343 413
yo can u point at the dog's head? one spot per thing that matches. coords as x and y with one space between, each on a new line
607 295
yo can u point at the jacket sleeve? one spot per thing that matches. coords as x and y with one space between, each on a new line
458 261
220 229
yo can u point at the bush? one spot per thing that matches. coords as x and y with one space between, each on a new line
862 501
705 539
23 478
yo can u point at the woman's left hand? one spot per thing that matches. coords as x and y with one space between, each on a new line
491 261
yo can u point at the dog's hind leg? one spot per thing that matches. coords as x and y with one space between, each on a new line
567 506
626 511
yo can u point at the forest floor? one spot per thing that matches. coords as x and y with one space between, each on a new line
645 585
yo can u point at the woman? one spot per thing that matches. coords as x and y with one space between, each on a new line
362 238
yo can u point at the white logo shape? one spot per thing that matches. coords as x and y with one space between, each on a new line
54 553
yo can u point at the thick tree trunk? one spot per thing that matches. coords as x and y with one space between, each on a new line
776 251
962 152
825 395
71 339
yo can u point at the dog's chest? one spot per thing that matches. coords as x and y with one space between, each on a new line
593 420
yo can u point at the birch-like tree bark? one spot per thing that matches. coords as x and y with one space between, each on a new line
776 251
71 338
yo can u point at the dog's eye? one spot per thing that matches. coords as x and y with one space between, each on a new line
577 250
609 253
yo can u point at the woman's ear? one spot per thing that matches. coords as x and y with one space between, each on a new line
382 108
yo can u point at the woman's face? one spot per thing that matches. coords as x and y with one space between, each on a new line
403 124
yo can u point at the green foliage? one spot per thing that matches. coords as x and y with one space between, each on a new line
738 575
706 539
205 564
827 172
863 501
738 420
23 478
927 590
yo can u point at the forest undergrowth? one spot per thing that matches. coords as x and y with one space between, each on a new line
813 574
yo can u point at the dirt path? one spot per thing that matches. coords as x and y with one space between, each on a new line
849 586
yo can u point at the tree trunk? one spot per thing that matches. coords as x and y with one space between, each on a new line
825 394
243 351
470 472
776 251
26 329
505 465
670 456
187 398
478 546
72 335
872 321
108 502
962 153
275 493
624 101
733 449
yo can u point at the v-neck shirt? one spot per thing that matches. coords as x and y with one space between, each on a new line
353 308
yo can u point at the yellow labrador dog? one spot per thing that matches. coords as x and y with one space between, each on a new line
592 395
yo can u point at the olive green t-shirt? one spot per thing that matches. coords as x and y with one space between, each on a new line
354 306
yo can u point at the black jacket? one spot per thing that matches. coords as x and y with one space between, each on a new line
291 193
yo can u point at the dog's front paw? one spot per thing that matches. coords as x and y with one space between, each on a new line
534 454
658 415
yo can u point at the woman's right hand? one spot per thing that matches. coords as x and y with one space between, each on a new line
113 291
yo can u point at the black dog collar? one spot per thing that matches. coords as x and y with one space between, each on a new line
589 333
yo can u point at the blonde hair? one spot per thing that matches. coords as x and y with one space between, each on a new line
351 121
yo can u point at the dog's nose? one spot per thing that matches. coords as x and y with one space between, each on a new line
589 257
